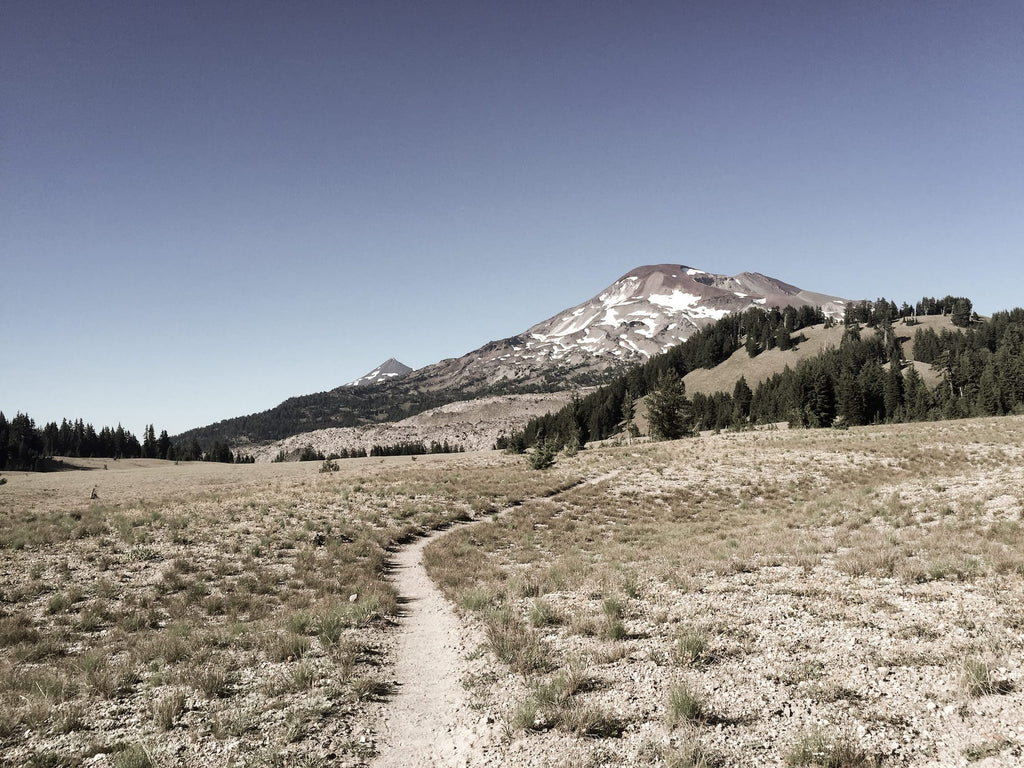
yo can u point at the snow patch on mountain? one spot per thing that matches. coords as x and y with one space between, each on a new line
653 308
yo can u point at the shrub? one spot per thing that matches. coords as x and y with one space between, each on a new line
370 689
287 646
979 678
691 648
167 709
543 455
134 756
516 644
544 614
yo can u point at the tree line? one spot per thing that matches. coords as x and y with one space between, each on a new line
408 448
865 380
24 446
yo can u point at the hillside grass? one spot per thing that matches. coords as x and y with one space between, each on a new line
755 597
723 377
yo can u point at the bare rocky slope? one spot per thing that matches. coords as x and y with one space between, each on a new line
389 370
470 424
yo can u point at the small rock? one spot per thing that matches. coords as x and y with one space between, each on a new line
353 597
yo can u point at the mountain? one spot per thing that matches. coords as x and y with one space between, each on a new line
644 312
389 370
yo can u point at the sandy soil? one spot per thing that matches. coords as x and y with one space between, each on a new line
429 721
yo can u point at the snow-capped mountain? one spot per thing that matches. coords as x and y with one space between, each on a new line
654 308
644 312
389 370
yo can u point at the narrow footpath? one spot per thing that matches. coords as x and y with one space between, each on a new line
429 722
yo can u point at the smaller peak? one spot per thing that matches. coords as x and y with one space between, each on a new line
388 370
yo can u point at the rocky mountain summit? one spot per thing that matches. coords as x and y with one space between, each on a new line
389 370
644 312
654 308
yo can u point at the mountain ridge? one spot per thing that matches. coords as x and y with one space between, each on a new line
647 311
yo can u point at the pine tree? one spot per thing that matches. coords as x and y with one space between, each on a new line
5 435
741 397
960 313
892 394
149 447
163 445
782 338
628 421
819 402
668 410
915 395
990 401
849 400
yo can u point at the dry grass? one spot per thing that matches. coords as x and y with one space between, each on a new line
822 567
216 601
859 574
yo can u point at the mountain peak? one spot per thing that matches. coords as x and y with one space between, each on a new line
389 370
648 310
657 306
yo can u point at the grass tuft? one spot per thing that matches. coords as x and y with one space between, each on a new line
817 748
685 706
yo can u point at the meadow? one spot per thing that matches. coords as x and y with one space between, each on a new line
828 597
210 614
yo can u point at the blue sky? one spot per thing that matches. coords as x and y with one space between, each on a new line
208 207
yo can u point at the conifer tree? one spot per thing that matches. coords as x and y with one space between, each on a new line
960 314
5 434
849 400
628 422
892 394
915 395
163 445
741 396
668 410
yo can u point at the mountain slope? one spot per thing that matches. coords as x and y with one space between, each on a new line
654 308
646 311
723 377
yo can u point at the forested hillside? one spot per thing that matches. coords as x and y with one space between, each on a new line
866 379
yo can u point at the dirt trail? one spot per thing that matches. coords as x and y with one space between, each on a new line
429 721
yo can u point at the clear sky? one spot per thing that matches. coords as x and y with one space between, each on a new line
207 207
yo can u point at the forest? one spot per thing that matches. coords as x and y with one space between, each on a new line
865 380
25 447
